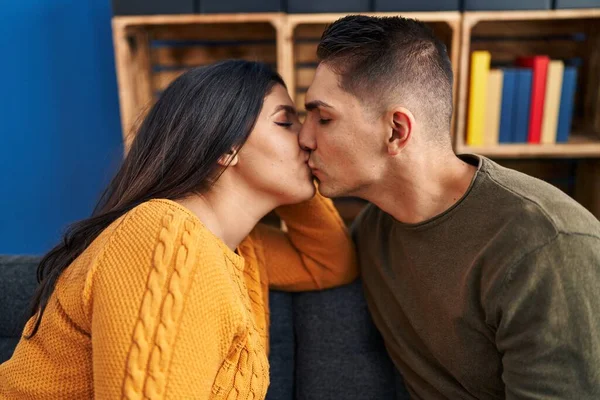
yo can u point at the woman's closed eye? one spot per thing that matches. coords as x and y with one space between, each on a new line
285 115
324 121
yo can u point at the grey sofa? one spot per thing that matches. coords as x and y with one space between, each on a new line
323 344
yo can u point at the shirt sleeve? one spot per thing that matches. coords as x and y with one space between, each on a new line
549 322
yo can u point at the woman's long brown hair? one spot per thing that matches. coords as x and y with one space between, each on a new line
201 116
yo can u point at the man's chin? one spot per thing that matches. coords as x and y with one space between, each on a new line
324 189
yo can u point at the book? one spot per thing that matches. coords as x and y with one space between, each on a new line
480 66
539 65
492 110
521 104
506 130
567 103
552 101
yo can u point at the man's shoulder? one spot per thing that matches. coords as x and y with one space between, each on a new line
366 220
369 228
534 204
369 212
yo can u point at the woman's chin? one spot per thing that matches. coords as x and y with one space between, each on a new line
305 191
311 190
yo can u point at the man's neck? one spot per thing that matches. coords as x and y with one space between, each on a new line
422 187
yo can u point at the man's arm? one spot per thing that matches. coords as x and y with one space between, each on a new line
549 321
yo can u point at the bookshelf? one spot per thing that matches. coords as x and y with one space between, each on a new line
560 34
508 34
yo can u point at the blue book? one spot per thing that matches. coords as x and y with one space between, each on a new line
506 108
521 103
567 102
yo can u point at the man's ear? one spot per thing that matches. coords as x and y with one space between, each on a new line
401 123
229 159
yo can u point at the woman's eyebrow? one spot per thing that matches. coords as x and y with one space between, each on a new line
285 107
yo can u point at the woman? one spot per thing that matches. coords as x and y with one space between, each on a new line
163 292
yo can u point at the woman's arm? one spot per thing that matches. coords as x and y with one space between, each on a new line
316 252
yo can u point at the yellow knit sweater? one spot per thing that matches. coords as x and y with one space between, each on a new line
158 307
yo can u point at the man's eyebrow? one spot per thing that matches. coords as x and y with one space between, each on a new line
313 105
285 107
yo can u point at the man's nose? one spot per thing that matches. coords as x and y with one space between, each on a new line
306 138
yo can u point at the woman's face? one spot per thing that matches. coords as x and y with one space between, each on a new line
271 160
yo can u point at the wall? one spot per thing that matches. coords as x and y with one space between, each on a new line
60 137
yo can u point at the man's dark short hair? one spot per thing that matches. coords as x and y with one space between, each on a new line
392 60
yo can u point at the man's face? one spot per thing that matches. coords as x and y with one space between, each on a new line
345 140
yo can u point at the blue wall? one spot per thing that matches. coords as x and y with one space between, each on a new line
60 136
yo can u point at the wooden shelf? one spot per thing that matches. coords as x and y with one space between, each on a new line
472 17
183 19
515 26
326 18
254 36
579 146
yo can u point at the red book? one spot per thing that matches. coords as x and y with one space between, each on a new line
539 64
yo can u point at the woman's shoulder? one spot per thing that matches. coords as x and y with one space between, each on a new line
156 237
153 216
160 223
146 240
152 232
159 252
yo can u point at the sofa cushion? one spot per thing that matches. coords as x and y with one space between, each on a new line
282 345
17 284
339 352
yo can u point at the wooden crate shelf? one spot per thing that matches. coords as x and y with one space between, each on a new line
509 34
151 51
578 146
561 34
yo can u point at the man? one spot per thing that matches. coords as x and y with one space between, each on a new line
484 282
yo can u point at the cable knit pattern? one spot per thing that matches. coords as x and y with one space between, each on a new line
139 352
259 298
171 314
158 307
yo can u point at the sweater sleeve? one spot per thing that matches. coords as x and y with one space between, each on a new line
316 251
549 326
160 310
